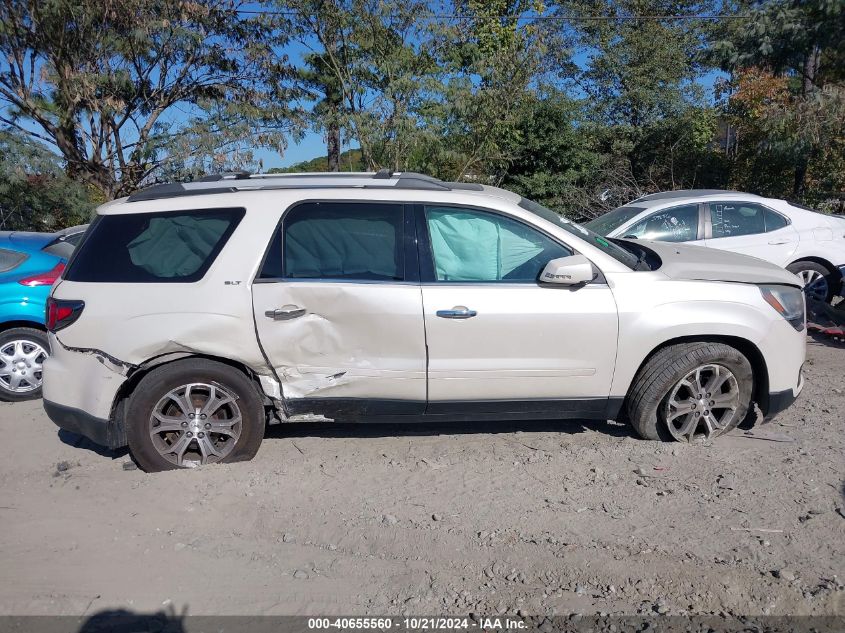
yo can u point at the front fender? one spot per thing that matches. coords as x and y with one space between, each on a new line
641 333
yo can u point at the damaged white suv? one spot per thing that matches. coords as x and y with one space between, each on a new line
194 314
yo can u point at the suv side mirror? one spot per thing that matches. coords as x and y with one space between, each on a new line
568 271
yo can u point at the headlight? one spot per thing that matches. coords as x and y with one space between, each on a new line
788 302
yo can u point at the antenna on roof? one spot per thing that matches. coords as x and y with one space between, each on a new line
383 174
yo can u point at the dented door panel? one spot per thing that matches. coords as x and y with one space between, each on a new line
352 340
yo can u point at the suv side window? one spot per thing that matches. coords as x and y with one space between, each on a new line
339 240
174 246
471 245
678 224
730 219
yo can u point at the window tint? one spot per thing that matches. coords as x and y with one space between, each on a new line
774 221
730 219
470 245
342 240
176 246
678 224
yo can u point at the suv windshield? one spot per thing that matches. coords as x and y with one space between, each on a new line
614 250
612 220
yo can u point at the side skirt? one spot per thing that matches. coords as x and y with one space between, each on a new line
386 411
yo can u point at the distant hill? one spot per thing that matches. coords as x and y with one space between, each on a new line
350 160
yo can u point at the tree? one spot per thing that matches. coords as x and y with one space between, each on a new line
554 161
122 89
800 43
641 80
367 67
491 61
35 193
317 76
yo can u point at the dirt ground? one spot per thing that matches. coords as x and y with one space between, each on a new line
538 517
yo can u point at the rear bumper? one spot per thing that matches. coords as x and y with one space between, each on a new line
99 431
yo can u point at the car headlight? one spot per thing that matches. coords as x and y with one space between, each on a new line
788 302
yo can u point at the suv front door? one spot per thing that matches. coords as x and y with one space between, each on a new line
497 340
337 308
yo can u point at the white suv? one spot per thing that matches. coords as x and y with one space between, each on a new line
194 314
809 244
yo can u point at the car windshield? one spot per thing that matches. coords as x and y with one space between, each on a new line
612 220
614 250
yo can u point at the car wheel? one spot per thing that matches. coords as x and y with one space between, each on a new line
23 351
818 279
691 391
191 413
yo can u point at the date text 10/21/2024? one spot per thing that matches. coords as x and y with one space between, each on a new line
419 623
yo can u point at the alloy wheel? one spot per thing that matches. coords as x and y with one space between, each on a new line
703 403
815 284
21 366
195 424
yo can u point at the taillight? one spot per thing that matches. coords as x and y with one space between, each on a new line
61 313
44 279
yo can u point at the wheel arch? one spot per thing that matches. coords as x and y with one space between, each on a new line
834 270
8 325
118 408
759 368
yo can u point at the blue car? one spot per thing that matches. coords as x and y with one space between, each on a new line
29 264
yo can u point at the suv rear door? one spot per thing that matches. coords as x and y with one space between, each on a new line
497 340
338 309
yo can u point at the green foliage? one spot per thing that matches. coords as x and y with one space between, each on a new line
35 193
350 160
99 82
582 113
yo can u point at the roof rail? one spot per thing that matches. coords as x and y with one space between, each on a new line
681 193
242 181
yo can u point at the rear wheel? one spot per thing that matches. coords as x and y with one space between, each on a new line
691 391
818 279
191 413
23 350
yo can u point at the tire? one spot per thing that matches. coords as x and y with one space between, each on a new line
205 431
821 278
28 348
662 380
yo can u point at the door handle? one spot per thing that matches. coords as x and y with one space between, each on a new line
285 313
458 312
776 242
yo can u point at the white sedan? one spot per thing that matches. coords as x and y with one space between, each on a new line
807 243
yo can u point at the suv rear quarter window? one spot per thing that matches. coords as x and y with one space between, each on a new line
176 246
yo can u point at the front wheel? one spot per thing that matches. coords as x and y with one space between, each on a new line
691 391
191 413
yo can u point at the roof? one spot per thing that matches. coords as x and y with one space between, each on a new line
654 199
229 183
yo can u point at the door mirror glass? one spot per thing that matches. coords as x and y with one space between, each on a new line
568 271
